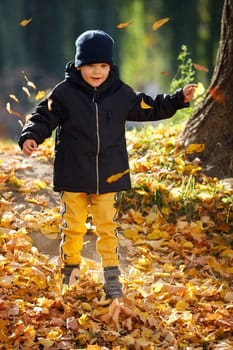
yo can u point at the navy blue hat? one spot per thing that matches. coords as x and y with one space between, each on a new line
93 46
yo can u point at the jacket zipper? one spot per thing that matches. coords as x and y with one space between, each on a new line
98 143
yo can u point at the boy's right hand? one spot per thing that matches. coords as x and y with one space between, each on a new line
29 146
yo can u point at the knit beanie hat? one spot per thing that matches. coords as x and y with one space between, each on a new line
93 46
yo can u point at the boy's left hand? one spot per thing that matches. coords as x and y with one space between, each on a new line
188 92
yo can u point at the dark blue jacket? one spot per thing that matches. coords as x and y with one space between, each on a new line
90 143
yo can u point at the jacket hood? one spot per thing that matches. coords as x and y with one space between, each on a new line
73 76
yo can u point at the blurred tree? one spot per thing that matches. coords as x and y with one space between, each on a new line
133 48
212 123
12 49
44 36
197 25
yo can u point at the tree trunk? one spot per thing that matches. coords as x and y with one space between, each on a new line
212 122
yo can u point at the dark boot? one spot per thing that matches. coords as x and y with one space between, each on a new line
112 285
69 270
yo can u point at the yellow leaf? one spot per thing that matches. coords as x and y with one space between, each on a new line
165 211
86 307
229 270
215 264
151 218
157 234
41 184
117 176
195 147
144 105
131 234
167 267
138 218
45 342
41 94
160 23
227 252
192 168
187 245
157 286
25 22
181 305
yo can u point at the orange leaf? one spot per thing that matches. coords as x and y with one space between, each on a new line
165 73
200 67
117 176
160 23
124 25
216 94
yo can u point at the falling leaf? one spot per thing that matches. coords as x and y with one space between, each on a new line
160 23
50 104
26 91
41 94
124 25
200 67
165 73
117 176
25 22
144 105
216 94
10 111
195 147
31 84
13 97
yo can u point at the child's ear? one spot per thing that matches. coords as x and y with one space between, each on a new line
78 68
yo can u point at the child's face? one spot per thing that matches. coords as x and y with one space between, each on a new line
95 74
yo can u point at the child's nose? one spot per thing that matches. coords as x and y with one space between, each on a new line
96 70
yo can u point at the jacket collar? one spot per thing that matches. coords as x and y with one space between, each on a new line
73 76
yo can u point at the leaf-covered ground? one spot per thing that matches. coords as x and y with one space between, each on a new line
175 230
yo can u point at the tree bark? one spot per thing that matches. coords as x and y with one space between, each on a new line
212 123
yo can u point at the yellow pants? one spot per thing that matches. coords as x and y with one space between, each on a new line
76 207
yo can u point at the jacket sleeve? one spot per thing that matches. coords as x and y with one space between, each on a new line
43 121
161 107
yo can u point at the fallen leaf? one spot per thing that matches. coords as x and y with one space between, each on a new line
195 147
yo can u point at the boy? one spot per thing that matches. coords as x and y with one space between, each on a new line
89 110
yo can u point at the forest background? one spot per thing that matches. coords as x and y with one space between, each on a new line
37 40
